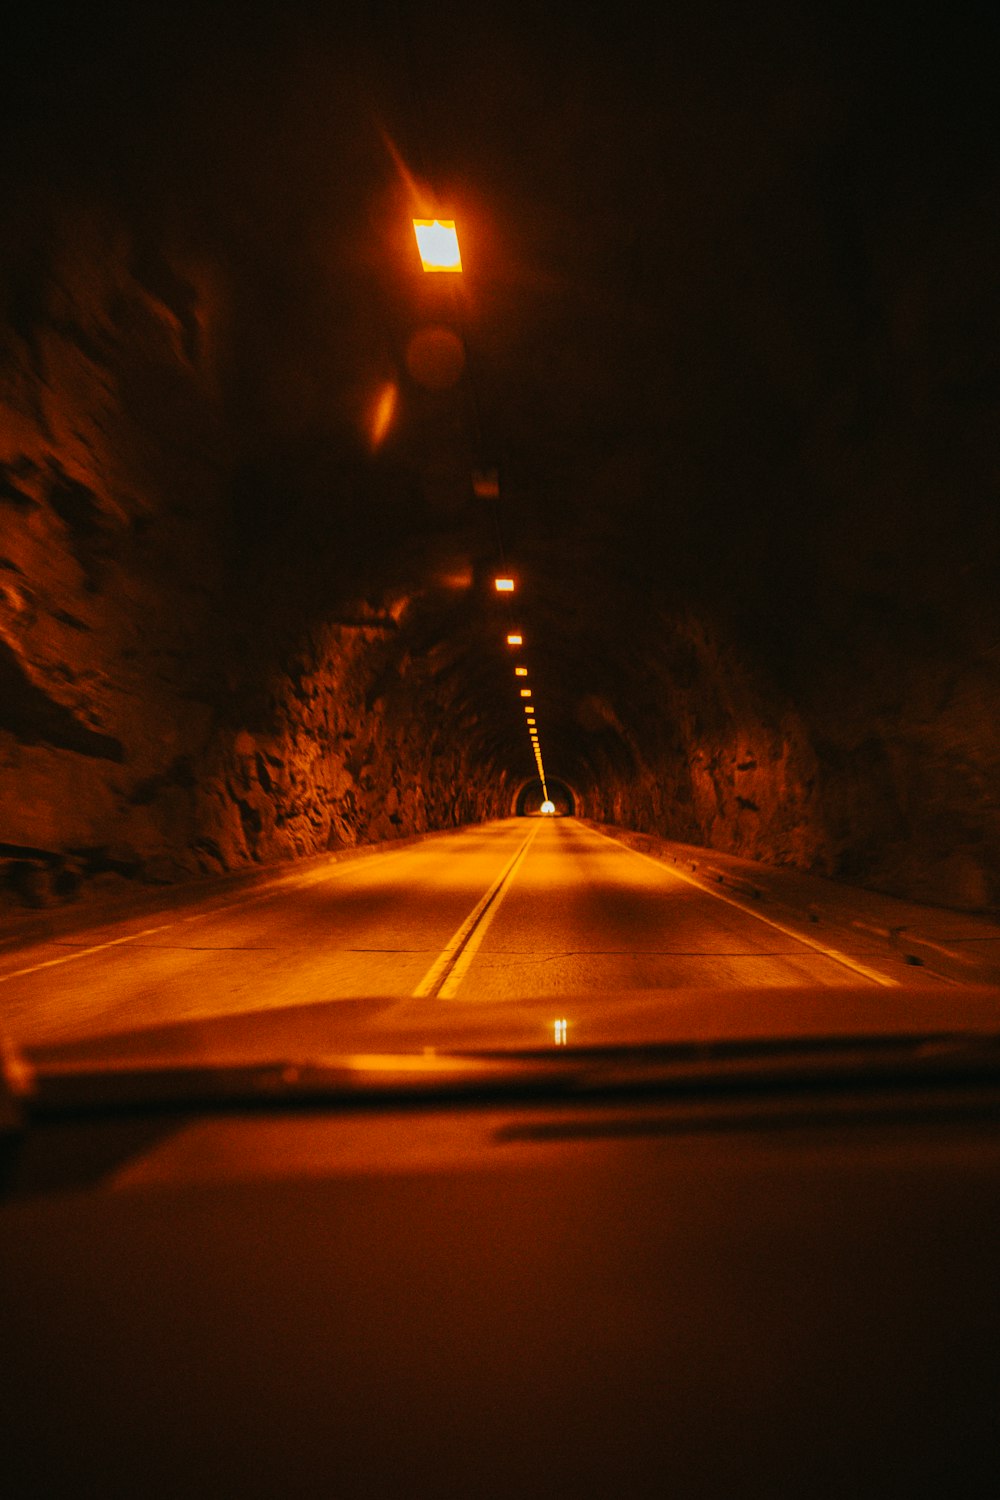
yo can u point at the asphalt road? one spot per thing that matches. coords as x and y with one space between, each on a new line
520 908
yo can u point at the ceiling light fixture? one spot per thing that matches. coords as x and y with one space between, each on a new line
437 241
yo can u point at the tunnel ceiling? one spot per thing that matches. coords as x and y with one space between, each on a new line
728 326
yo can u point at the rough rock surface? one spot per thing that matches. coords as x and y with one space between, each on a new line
885 779
146 728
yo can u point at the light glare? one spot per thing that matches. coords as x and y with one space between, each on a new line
504 585
383 412
515 640
437 241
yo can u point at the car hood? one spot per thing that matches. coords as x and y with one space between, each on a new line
683 1018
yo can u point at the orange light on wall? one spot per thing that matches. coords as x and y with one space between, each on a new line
486 484
528 708
437 241
504 585
515 640
382 413
520 671
525 692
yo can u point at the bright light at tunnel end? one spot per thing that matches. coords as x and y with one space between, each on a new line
548 808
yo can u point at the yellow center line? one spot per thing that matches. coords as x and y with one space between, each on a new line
446 972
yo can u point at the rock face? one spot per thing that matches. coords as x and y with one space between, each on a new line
354 749
885 779
713 759
146 729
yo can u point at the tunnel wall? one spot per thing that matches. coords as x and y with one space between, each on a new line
193 679
879 768
826 694
169 704
711 757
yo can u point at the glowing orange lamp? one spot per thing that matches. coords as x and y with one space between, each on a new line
437 241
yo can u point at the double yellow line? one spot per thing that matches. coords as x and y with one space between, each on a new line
449 968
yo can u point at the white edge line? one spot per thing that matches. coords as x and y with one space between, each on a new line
69 958
287 885
849 963
458 937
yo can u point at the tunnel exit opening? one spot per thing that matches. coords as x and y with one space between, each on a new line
529 797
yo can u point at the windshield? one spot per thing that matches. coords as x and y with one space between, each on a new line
498 541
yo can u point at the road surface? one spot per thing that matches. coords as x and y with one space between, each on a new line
526 907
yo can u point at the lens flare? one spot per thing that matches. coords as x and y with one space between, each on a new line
382 413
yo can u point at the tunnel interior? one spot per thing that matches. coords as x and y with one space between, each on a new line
733 437
529 800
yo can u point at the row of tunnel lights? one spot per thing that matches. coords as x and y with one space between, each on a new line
437 242
515 639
